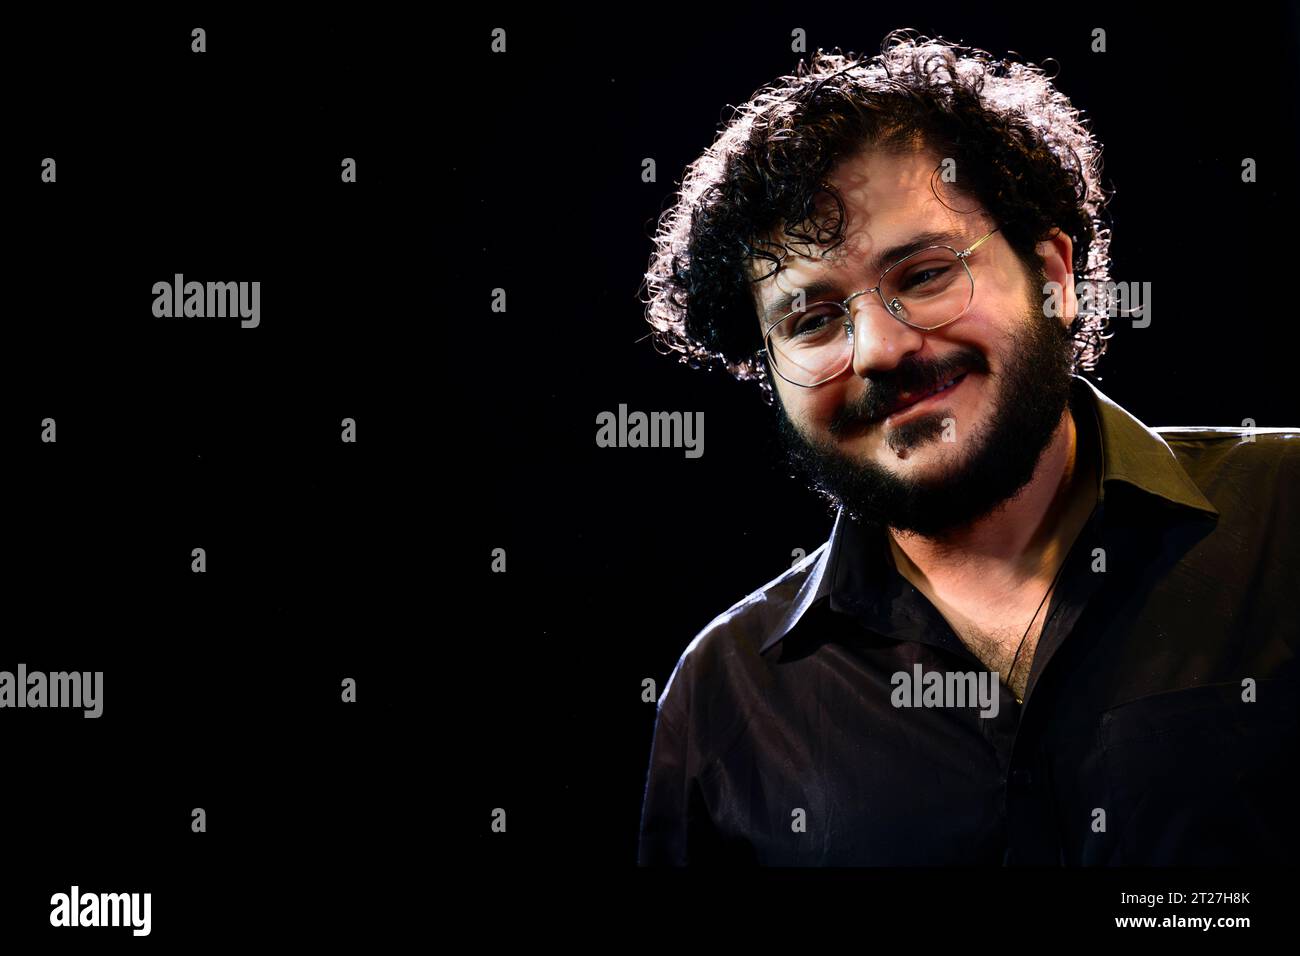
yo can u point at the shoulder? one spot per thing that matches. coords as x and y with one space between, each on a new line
732 640
1250 475
1215 434
1215 452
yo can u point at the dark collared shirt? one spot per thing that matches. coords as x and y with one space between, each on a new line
1159 724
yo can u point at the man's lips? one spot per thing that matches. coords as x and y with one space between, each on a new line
908 399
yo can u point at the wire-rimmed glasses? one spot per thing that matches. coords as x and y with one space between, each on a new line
926 290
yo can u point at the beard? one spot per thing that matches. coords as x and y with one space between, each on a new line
1028 399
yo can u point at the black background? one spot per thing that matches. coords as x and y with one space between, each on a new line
221 690
521 690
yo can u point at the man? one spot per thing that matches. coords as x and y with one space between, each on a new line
1040 632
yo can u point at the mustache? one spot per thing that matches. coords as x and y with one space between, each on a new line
886 390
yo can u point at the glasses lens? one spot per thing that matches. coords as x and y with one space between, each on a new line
810 346
928 288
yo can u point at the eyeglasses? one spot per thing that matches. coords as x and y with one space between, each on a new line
925 290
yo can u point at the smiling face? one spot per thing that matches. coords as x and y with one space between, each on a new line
941 462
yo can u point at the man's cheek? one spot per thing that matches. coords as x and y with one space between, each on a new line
821 409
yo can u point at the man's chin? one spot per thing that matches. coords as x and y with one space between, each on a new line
921 484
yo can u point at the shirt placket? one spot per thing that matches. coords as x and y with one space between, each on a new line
1031 813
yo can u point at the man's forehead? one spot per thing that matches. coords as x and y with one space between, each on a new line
887 198
866 250
875 182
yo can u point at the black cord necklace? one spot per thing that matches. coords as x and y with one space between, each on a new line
1019 699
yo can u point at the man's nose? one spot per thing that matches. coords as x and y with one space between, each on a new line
880 341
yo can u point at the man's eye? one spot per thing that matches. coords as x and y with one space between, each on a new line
812 323
922 276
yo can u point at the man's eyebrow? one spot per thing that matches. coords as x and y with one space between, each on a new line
822 288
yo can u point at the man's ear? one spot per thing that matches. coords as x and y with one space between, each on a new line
1057 254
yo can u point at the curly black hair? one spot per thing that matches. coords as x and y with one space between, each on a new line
1025 153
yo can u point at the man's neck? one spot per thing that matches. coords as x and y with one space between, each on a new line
1021 541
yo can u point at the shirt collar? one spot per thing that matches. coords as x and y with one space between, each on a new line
1131 453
